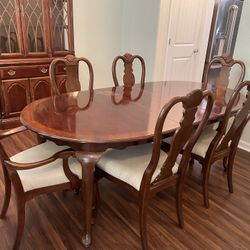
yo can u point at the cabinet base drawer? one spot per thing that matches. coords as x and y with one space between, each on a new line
13 72
8 123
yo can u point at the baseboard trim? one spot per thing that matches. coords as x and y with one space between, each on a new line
244 145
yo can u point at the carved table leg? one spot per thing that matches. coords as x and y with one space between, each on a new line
88 161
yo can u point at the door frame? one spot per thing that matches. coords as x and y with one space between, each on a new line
162 45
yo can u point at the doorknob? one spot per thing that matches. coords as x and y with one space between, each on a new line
195 51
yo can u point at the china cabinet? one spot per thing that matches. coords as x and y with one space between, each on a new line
32 33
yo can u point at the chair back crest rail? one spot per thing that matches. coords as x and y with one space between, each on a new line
128 77
72 71
185 135
226 63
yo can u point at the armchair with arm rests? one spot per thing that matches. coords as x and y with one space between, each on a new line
146 169
41 169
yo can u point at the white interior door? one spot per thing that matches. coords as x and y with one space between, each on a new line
188 33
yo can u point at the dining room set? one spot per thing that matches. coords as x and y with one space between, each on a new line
143 136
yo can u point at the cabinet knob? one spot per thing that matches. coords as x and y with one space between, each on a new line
11 72
44 70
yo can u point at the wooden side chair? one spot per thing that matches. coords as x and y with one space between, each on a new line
71 65
128 77
222 143
218 71
146 169
41 169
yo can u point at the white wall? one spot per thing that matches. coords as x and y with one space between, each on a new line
242 52
107 28
139 31
97 31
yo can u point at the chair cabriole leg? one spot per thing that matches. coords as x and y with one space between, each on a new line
143 206
225 163
206 173
179 209
20 223
230 171
7 186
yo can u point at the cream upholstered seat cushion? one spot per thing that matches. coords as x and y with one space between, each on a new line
47 175
201 146
129 164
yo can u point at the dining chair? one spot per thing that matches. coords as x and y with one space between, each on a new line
222 143
146 169
219 69
128 77
222 72
41 169
71 66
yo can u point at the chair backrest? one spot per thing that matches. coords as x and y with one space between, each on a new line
230 136
71 65
128 77
218 71
184 138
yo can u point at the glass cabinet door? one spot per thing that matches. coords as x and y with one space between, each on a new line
61 25
10 28
34 26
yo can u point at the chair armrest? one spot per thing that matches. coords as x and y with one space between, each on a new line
64 154
12 131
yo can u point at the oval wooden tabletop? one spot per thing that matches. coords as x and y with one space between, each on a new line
113 115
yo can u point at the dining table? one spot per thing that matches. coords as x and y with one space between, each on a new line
92 121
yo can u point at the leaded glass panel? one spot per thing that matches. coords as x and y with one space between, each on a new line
8 27
34 24
60 30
